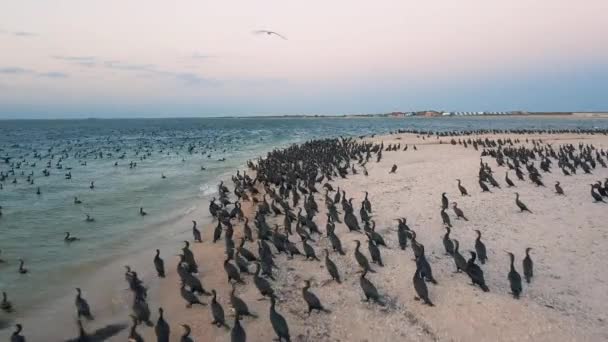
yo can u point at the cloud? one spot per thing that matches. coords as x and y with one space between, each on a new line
24 34
187 78
53 74
14 71
200 56
22 71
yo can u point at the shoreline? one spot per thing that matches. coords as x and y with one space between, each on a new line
423 322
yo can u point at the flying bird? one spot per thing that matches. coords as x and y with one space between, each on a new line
269 33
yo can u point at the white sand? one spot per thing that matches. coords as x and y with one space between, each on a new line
567 300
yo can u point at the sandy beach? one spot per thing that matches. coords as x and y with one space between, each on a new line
566 300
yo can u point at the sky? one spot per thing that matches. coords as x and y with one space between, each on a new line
153 58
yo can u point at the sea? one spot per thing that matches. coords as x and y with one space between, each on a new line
168 167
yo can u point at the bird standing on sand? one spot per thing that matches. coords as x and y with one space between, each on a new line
521 204
514 278
528 266
393 169
269 33
558 189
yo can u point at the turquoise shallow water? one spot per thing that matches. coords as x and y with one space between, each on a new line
32 226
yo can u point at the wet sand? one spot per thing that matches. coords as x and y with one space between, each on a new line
566 300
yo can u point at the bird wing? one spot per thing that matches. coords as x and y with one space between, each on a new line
271 32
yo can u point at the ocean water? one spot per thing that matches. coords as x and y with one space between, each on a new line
32 226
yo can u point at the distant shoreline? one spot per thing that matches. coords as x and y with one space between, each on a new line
553 115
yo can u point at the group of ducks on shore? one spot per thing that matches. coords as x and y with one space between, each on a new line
289 178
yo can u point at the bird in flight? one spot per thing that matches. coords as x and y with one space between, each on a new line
269 33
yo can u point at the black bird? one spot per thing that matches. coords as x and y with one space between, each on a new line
361 259
476 273
459 260
189 296
459 213
6 306
309 251
528 266
162 328
332 269
508 180
596 197
374 252
445 218
217 312
393 169
196 233
447 243
186 335
480 248
520 204
311 299
232 271
237 334
262 284
239 306
269 33
444 201
69 238
279 324
159 264
142 212
22 269
16 336
514 278
483 186
558 189
369 290
463 190
421 288
82 307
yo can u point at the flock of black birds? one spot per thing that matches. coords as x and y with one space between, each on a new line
286 184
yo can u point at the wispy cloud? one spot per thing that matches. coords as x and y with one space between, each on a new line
23 34
187 78
17 71
54 74
14 71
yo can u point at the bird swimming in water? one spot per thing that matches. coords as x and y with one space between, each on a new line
69 238
89 218
92 186
142 212
528 266
514 278
77 201
22 269
82 306
5 305
521 205
16 336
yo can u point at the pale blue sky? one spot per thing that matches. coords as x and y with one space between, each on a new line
115 58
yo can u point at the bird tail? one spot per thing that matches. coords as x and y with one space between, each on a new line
485 288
